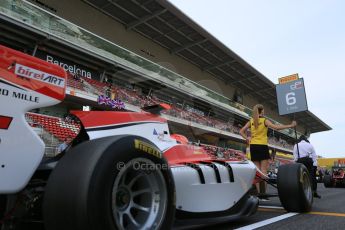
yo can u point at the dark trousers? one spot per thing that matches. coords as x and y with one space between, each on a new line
314 171
308 163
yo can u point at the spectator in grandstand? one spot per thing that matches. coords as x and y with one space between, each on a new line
305 153
258 141
63 146
67 117
77 77
112 93
108 91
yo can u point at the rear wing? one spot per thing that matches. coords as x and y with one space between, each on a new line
31 73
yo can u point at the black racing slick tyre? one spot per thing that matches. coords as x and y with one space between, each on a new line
120 182
294 188
327 181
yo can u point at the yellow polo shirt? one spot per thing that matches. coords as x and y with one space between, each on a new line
259 134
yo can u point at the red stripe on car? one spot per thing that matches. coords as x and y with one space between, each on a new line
92 119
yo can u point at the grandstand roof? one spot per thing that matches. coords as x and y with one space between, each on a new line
166 25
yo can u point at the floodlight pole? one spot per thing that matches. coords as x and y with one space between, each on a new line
294 115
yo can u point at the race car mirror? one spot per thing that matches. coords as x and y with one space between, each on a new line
291 97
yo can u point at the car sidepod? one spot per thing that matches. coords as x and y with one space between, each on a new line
217 191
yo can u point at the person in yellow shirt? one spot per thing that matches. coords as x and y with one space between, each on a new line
258 141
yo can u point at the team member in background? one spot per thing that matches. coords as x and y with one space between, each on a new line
307 156
258 141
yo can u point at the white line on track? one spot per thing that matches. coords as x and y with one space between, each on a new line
272 207
268 221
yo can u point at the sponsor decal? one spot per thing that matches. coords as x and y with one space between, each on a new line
4 92
31 73
25 97
297 85
197 152
287 79
155 132
148 148
160 136
19 95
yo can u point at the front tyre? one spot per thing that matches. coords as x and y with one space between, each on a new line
294 188
110 183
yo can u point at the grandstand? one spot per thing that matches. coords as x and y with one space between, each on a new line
58 127
143 52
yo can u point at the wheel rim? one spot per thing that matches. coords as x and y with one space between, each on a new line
307 186
139 196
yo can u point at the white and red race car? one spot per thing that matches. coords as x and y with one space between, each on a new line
122 171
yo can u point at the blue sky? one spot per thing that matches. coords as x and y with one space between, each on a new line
282 37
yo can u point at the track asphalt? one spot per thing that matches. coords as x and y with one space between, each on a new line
327 213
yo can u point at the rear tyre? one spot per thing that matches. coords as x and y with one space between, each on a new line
110 183
327 181
294 188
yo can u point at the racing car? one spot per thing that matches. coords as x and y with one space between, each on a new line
336 178
122 171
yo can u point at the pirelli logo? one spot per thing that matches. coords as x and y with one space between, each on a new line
150 149
28 72
289 78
